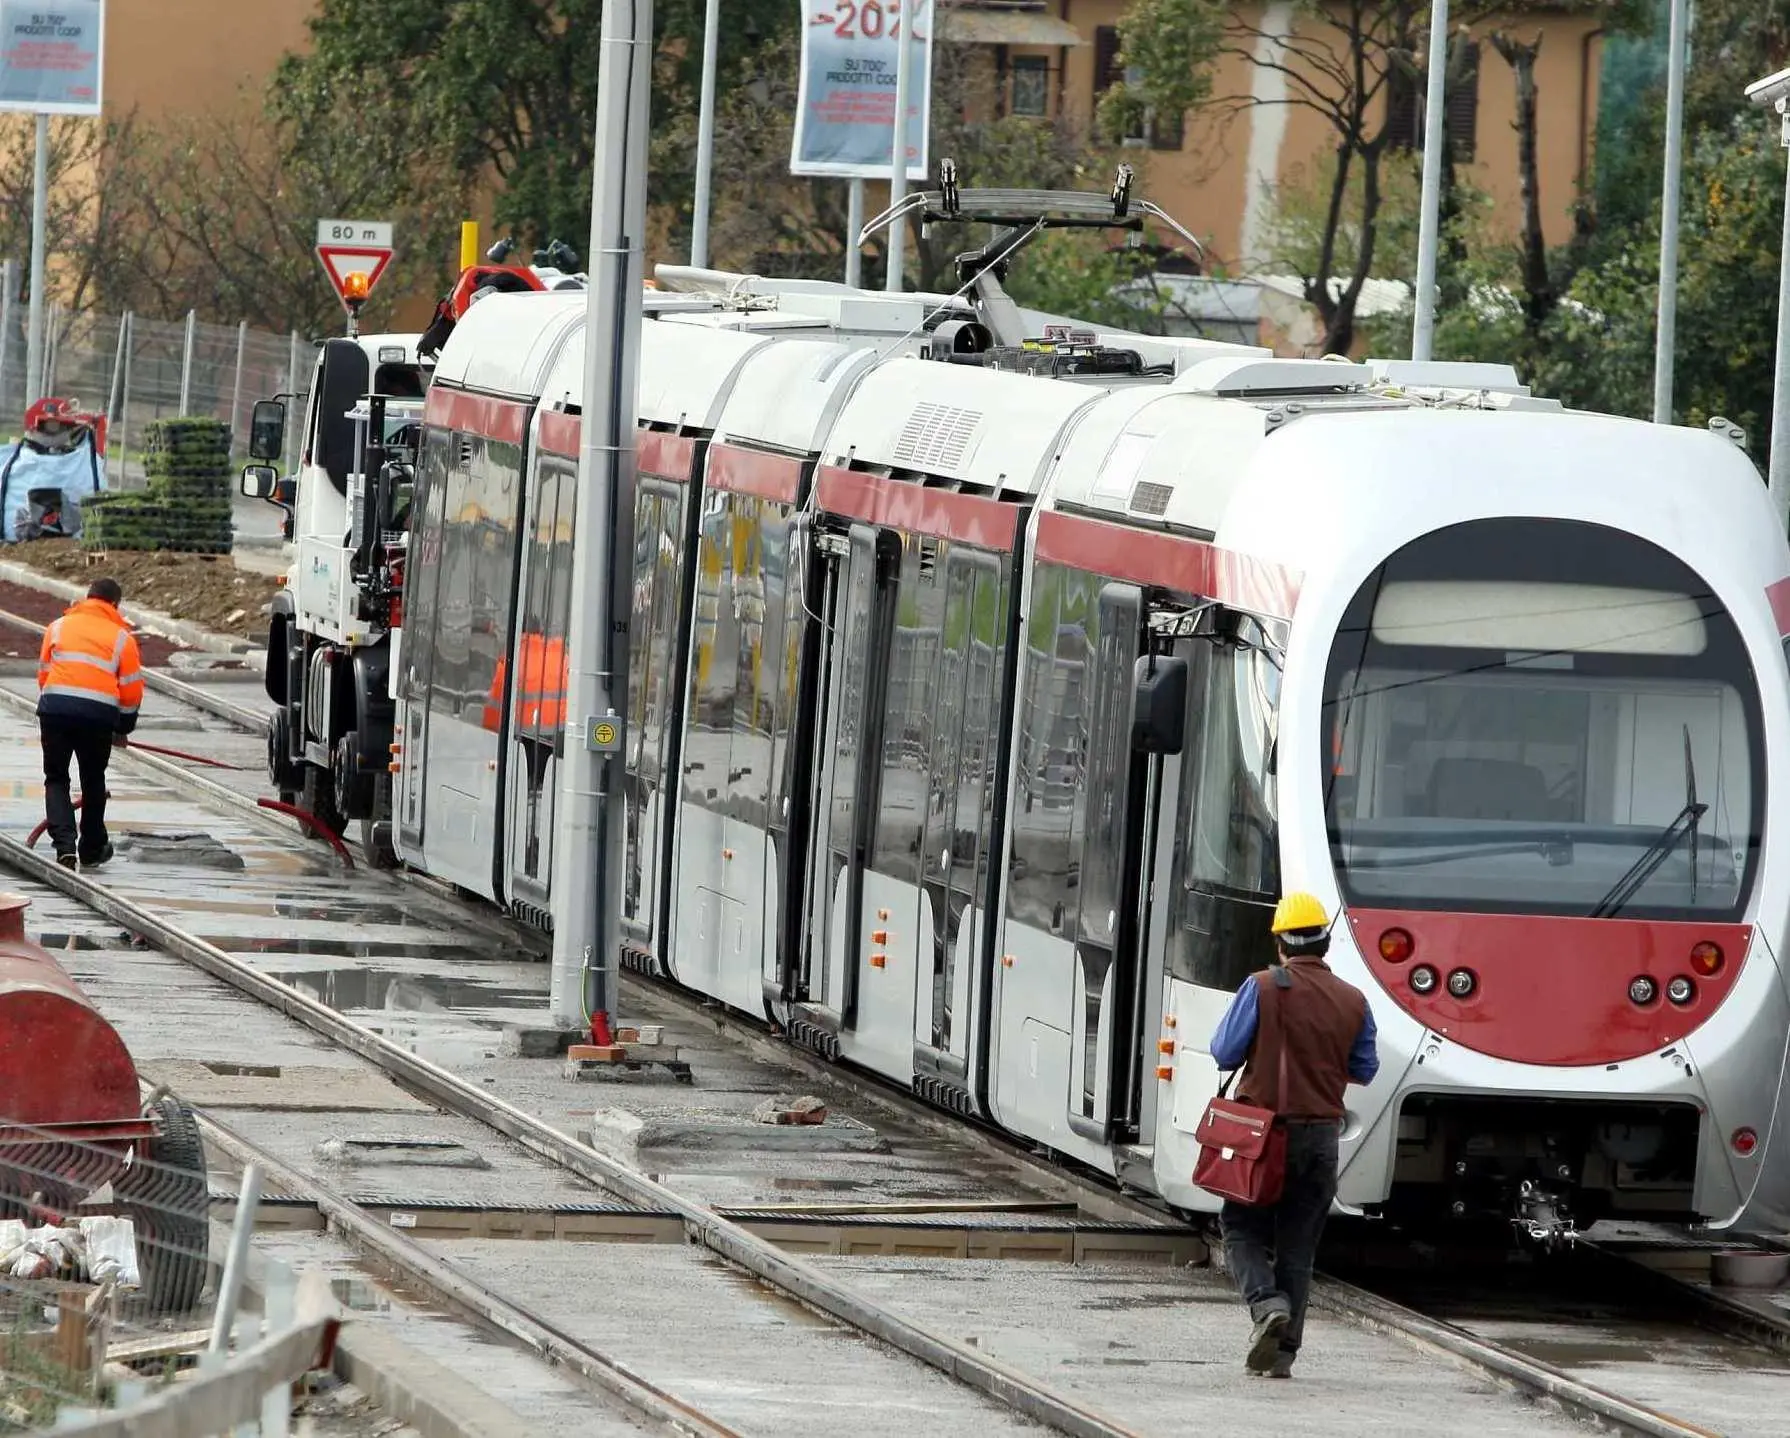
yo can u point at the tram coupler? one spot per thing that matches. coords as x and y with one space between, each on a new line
1542 1216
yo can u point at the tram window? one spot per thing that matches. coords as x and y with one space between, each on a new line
758 600
423 574
559 593
787 570
982 752
1042 877
1114 651
1229 842
910 666
658 541
489 531
714 639
453 626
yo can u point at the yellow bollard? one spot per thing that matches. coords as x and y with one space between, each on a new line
469 244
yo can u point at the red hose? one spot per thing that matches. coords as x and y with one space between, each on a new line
312 822
38 833
180 754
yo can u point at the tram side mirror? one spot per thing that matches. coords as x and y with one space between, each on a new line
259 481
267 430
1159 705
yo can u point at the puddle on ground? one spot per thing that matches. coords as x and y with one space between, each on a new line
379 990
777 1307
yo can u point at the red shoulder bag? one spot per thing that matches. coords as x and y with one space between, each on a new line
1243 1154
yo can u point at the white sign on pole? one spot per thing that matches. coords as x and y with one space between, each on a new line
845 106
52 56
375 234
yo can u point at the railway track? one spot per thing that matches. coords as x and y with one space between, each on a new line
746 1237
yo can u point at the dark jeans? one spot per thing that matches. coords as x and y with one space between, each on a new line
90 746
1270 1248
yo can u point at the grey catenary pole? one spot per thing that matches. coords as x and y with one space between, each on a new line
40 201
588 857
705 136
904 64
1775 92
854 226
1665 334
9 287
1423 327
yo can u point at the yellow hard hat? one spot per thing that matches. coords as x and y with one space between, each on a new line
1299 911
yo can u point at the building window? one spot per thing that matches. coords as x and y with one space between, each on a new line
1031 85
1405 101
1159 132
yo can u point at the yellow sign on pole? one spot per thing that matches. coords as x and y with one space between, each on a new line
469 243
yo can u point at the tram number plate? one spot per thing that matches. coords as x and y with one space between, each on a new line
604 735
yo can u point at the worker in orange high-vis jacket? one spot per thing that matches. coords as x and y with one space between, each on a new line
89 688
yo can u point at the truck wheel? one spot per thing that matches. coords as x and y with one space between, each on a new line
280 769
376 844
320 799
353 787
168 1197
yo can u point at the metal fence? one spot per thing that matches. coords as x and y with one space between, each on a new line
135 369
122 1320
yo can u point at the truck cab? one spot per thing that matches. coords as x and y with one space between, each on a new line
328 644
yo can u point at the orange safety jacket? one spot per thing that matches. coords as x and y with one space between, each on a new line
541 700
89 670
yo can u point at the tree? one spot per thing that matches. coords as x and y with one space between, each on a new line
506 89
1337 59
225 210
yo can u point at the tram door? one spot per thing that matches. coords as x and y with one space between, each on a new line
1117 849
849 725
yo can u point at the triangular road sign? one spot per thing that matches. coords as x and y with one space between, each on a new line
340 261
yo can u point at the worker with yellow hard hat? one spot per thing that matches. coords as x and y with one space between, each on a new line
1301 1035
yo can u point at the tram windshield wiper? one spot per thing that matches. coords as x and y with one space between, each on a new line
1683 823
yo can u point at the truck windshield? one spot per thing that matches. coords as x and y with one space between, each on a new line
1546 717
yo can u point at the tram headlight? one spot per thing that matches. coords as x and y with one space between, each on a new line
1423 979
1642 990
1461 983
1681 990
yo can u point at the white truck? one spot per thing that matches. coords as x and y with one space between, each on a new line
329 635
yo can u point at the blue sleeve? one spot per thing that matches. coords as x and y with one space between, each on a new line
1364 1056
1235 1033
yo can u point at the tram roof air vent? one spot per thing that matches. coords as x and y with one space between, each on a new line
1151 499
936 436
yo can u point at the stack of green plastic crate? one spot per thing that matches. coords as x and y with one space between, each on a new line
185 507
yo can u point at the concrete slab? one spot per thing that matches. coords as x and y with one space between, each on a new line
294 1089
764 1365
1162 1349
547 1403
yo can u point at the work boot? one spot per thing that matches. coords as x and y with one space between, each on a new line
66 858
99 858
1264 1341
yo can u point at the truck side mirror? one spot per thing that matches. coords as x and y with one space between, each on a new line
259 481
1159 710
267 430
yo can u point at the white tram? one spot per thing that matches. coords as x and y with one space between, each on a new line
977 717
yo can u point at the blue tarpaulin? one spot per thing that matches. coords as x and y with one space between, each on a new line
76 474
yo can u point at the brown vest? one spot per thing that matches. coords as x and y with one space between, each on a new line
1315 1022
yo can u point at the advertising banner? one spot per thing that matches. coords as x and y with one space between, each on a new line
52 56
845 107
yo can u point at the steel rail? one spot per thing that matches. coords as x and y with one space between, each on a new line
1573 1395
1009 1386
417 1267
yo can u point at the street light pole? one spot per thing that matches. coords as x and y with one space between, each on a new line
588 856
705 136
904 65
40 204
1774 91
1429 225
1665 333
